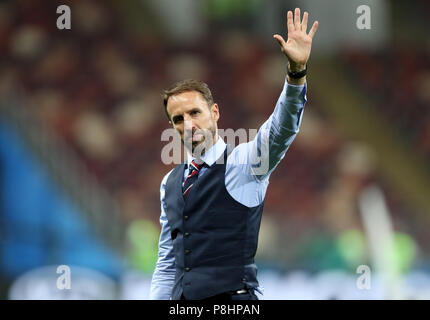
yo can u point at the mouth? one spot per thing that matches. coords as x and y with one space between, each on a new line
196 137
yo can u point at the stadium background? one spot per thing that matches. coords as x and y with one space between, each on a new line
81 120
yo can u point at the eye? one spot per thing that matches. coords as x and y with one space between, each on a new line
177 120
194 112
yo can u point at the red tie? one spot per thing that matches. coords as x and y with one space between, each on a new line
192 177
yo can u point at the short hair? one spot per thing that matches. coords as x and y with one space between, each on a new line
187 85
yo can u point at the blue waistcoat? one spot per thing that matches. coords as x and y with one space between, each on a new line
214 236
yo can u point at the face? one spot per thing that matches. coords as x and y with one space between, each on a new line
195 121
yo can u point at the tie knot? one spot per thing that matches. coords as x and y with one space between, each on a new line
195 166
193 174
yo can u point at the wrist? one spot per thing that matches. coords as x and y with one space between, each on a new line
297 82
297 76
296 67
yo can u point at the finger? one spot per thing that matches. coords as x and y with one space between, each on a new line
313 29
297 19
281 40
290 24
305 22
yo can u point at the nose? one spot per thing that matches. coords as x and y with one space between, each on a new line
188 124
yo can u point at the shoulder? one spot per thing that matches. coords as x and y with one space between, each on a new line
163 186
166 176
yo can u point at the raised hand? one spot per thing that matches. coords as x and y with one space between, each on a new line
298 46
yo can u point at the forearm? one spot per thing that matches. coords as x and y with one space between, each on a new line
278 132
288 111
286 121
162 284
163 278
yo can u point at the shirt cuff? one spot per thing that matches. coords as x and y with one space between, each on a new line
296 94
294 85
160 292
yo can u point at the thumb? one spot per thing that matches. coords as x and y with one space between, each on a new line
279 39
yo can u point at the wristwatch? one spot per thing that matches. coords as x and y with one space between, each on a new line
299 74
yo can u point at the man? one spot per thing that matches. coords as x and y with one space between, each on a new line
211 205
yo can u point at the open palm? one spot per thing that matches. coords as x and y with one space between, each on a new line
298 46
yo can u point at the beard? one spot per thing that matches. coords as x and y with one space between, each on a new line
205 140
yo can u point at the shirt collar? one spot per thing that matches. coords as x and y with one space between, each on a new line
211 155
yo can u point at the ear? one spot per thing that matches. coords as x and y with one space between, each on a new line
215 112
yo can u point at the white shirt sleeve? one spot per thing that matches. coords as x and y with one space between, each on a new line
164 275
250 164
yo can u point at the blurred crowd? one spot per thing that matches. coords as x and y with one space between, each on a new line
98 86
399 80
